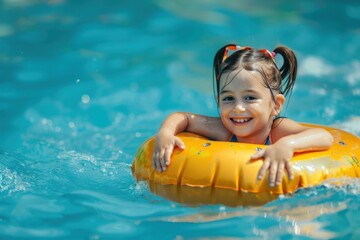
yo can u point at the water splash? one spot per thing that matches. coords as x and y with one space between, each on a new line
11 180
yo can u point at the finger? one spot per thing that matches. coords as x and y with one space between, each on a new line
162 160
153 159
279 173
289 170
272 173
258 154
179 143
263 169
168 153
156 161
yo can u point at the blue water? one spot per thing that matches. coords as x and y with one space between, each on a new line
84 83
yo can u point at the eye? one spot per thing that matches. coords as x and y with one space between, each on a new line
227 99
250 98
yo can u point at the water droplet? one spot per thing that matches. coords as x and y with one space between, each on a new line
71 124
85 98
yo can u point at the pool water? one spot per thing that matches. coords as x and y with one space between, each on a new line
83 84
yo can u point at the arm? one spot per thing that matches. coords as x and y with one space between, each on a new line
166 139
290 137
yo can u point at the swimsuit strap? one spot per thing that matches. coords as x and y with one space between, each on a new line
233 139
267 142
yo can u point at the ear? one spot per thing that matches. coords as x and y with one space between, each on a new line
279 103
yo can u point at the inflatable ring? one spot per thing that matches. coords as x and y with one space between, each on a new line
211 172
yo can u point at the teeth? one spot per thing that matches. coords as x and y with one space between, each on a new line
240 120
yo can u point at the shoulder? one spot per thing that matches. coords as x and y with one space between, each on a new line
283 127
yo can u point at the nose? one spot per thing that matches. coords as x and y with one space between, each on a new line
239 106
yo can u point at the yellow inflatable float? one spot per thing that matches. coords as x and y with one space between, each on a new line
213 172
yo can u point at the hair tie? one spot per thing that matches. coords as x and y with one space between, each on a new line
233 48
271 54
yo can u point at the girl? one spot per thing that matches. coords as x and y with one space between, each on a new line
251 92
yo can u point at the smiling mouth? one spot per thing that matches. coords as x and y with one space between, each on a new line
240 120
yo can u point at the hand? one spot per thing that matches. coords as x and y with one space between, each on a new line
276 158
164 146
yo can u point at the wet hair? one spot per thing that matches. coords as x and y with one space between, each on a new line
279 80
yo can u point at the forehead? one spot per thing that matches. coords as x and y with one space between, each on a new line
241 79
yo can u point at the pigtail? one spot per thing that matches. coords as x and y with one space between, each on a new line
218 59
288 70
217 65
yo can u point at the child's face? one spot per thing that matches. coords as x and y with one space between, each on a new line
246 106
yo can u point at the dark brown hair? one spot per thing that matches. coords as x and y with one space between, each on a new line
277 79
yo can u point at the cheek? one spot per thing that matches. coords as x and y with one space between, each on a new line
224 109
223 112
